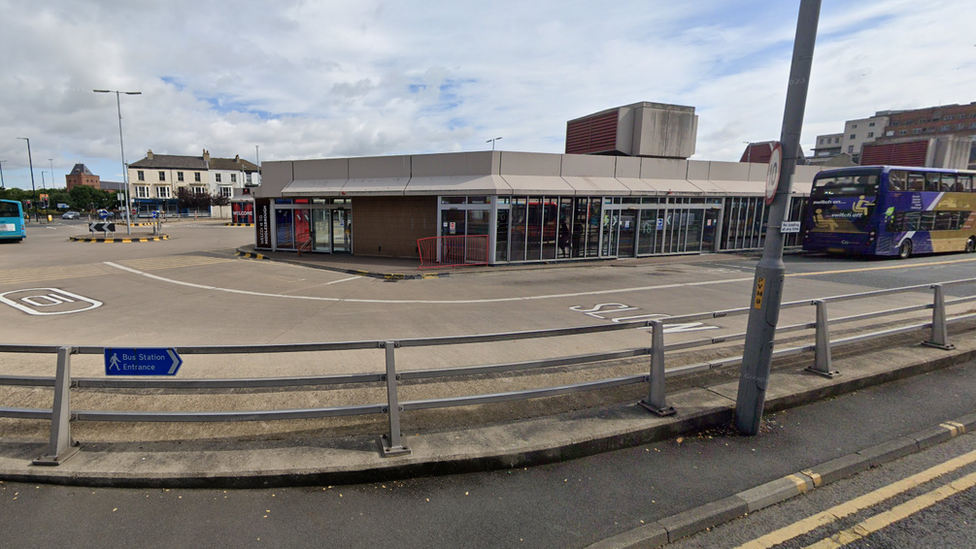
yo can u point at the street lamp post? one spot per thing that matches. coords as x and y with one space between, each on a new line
2 186
492 141
51 160
33 188
125 170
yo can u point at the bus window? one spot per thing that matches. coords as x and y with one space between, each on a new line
897 180
945 221
949 182
932 182
916 181
964 183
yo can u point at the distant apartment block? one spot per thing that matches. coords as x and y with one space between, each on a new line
940 136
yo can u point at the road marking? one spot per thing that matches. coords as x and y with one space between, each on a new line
421 301
858 504
887 268
174 262
40 298
895 514
43 274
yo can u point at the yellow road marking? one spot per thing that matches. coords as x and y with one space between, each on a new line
857 504
40 274
895 514
887 268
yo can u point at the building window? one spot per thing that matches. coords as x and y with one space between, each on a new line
945 128
854 126
871 125
853 136
162 176
162 192
902 132
142 191
196 176
179 176
217 177
870 134
227 192
199 190
960 126
917 130
850 149
141 175
233 178
836 140
248 178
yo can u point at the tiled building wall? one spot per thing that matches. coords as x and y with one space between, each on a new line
390 226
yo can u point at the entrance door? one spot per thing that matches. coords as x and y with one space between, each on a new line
708 231
342 231
628 233
321 225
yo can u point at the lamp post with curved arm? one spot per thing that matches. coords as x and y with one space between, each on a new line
125 169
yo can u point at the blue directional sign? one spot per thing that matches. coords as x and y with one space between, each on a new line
142 362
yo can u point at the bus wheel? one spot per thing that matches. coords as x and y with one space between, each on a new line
971 245
905 250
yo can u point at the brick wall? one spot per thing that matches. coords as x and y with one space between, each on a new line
390 226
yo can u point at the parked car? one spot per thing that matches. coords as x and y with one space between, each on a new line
70 215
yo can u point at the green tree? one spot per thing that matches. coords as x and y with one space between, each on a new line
84 198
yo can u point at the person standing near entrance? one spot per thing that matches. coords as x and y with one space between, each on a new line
564 236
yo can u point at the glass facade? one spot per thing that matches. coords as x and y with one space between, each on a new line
556 228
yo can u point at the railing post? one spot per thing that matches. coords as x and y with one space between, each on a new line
392 445
61 446
939 321
655 397
822 361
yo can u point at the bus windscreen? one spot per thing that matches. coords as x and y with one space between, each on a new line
844 203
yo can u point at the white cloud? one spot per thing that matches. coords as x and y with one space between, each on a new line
322 78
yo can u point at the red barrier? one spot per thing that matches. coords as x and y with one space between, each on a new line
452 251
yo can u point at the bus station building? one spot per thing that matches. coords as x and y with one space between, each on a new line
637 195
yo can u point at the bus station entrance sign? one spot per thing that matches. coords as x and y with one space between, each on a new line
142 362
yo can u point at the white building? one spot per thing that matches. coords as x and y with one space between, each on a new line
156 179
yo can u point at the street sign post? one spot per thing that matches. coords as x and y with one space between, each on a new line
142 362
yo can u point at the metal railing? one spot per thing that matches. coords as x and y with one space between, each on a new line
452 251
62 446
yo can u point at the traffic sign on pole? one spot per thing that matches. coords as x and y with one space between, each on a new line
142 362
772 173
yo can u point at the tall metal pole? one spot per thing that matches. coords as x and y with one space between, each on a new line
2 186
125 170
51 160
771 271
33 188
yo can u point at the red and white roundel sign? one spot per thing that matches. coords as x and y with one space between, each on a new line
772 174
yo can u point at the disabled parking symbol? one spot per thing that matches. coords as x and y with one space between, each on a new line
48 301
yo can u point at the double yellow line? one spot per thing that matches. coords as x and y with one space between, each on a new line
871 499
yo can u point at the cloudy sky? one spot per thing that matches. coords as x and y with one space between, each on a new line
328 78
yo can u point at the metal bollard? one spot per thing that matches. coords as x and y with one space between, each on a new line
655 398
392 445
61 446
939 321
822 361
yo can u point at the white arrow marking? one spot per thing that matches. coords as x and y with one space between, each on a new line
176 361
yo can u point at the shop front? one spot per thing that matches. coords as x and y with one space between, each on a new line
321 225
